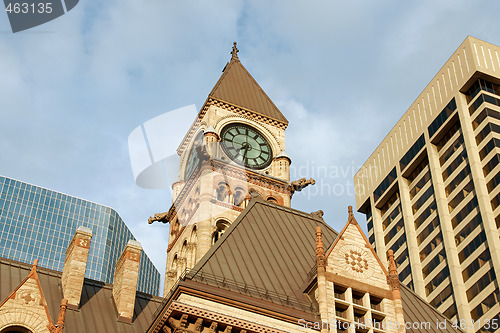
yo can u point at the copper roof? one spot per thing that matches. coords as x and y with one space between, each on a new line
97 311
269 247
237 87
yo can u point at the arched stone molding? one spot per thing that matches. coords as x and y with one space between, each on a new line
24 317
221 225
276 145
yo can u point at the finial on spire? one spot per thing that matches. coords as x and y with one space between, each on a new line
393 269
393 278
35 265
320 248
351 218
234 52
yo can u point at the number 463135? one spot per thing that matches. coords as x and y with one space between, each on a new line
25 8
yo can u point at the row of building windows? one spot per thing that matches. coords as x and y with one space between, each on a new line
493 183
405 272
495 202
491 164
483 98
433 263
429 193
394 230
479 85
384 185
437 280
475 265
462 214
392 216
485 305
424 253
442 296
433 225
481 284
448 135
455 164
450 150
460 196
490 127
472 246
442 117
412 152
468 229
483 115
413 174
455 182
420 184
491 145
425 215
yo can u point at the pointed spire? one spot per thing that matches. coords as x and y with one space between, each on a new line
62 314
234 52
320 248
393 278
393 269
351 218
35 265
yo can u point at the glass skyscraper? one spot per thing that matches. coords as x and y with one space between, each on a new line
431 192
37 223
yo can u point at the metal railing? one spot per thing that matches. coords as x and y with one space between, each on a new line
242 288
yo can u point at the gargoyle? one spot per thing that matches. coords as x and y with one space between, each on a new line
254 194
160 217
299 185
318 214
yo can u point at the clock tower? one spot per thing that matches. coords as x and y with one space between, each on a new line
235 149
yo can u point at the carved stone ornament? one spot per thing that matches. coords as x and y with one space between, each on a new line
299 185
355 261
160 217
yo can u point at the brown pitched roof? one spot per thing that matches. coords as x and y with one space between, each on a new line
97 312
272 248
269 247
237 87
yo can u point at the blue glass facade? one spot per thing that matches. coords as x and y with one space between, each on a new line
37 223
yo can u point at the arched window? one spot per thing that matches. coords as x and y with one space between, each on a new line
16 329
193 238
239 197
223 192
184 248
272 199
174 227
220 227
174 264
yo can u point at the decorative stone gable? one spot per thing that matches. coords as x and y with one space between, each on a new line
26 307
354 291
352 257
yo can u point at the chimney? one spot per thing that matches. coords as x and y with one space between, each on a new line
75 264
125 281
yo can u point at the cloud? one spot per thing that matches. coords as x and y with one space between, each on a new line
341 72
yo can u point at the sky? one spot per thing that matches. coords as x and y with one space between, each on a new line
342 72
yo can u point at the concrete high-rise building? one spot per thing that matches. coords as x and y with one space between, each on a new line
430 190
37 223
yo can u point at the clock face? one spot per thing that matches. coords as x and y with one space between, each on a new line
246 146
193 159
